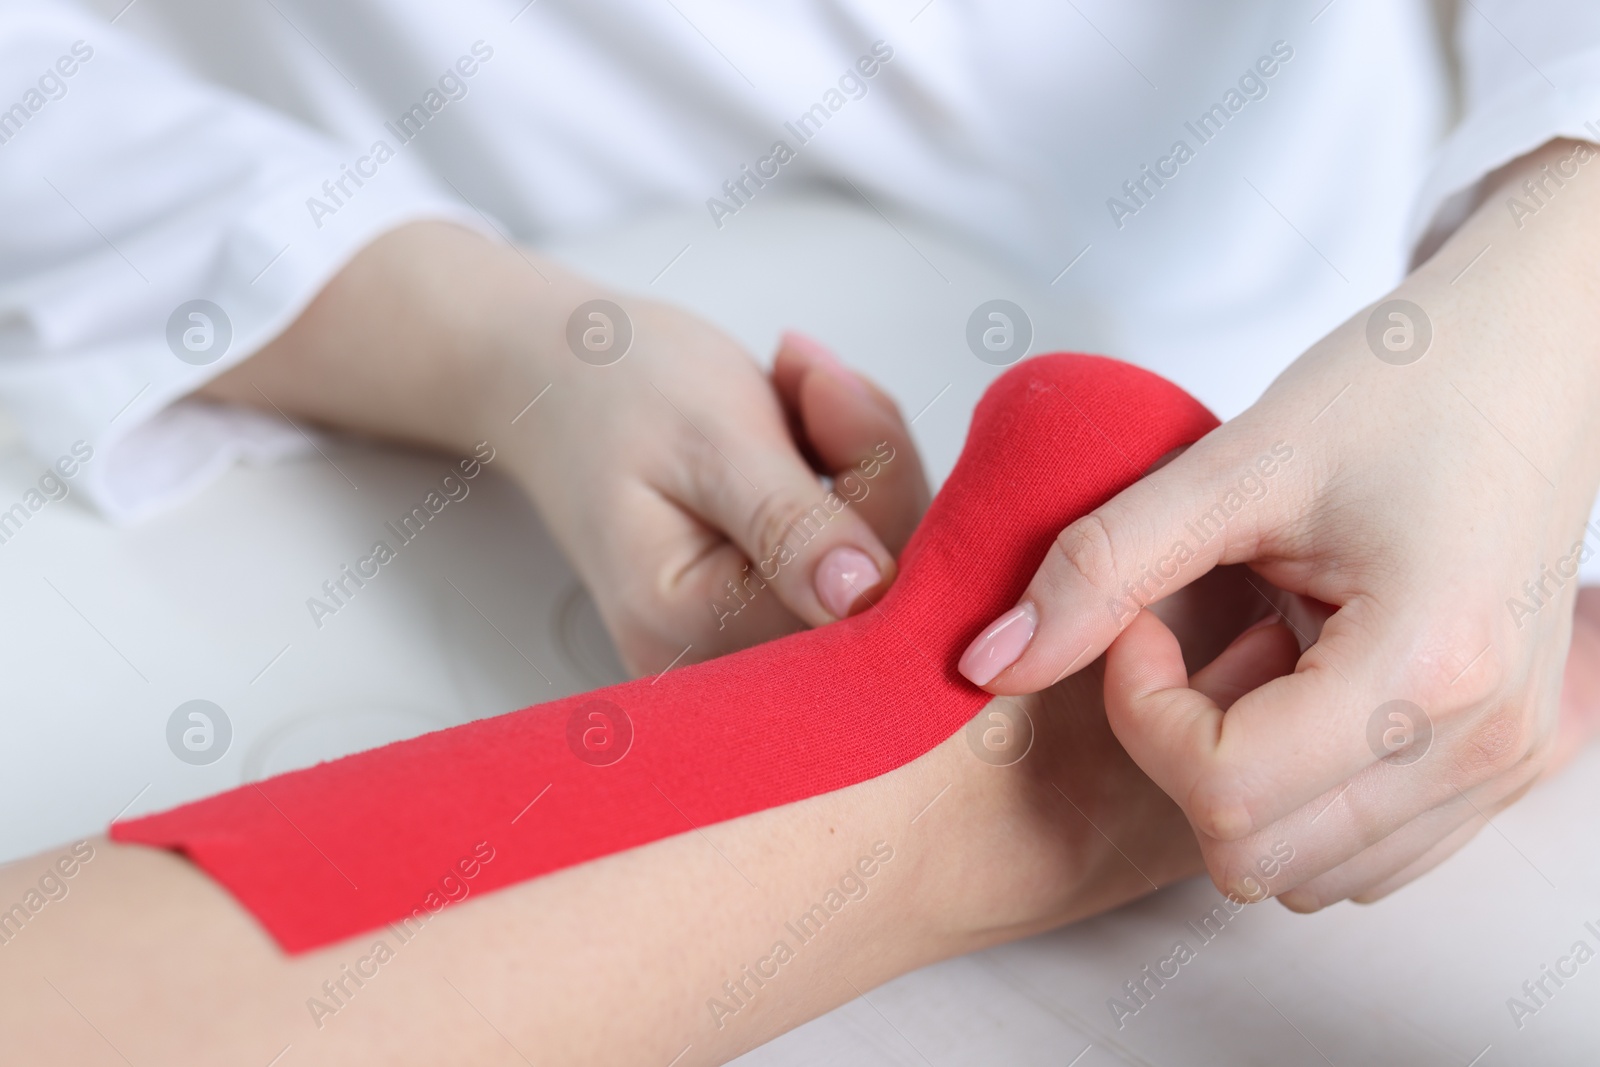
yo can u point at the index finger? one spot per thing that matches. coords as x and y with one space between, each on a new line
1284 744
1209 506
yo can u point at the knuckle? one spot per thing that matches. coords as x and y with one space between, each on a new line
1084 549
1222 817
1458 667
1484 680
780 516
1364 820
1498 745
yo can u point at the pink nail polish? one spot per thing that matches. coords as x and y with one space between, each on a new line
1000 645
842 577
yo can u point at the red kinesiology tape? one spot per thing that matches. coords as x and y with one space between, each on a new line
321 854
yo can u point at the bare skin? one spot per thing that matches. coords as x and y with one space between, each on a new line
661 475
432 336
1420 506
616 961
437 336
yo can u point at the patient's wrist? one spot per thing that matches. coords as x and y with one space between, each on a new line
523 362
978 872
426 336
1069 830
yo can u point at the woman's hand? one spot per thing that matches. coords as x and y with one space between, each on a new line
1052 821
1424 473
685 485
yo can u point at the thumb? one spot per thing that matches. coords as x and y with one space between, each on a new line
805 542
1170 723
855 434
1211 505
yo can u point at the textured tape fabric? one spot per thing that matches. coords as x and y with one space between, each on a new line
321 854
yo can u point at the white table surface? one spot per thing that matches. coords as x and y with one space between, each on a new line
105 632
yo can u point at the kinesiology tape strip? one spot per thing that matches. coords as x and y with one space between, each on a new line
321 854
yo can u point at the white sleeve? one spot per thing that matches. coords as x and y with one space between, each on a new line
1529 73
130 190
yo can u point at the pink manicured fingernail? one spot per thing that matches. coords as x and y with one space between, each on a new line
843 576
999 646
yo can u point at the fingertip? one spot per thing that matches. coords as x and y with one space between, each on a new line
807 348
1000 645
1059 642
788 367
810 354
1266 650
1300 902
1144 658
845 579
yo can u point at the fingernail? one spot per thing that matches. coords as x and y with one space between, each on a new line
999 646
823 355
842 577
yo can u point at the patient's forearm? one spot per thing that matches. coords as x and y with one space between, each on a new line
612 962
425 336
619 961
642 956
